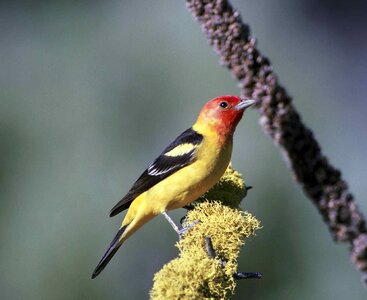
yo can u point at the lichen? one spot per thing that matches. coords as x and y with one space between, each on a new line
229 190
227 227
194 274
191 277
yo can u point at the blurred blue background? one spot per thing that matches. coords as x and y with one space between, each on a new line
91 92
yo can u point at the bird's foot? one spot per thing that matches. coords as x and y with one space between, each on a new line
181 231
186 228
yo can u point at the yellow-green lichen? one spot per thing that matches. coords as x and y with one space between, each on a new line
191 277
229 190
194 274
226 226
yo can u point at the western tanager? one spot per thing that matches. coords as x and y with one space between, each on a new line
184 171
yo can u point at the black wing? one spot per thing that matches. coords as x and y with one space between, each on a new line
180 153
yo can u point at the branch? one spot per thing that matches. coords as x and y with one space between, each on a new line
237 275
321 182
207 264
195 274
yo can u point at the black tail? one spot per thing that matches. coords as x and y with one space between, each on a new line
112 249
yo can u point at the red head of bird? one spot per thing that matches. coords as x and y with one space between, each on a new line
223 113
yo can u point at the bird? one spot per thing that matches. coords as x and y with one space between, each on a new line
185 170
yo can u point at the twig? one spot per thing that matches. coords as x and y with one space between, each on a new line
247 275
238 275
209 247
321 182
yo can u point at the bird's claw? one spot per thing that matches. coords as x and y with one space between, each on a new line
186 228
181 231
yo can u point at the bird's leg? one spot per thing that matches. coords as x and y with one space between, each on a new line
174 226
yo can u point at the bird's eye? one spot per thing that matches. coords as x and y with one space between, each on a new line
223 104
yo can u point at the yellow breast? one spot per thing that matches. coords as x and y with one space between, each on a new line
190 182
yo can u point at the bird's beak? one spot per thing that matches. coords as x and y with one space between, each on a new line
244 104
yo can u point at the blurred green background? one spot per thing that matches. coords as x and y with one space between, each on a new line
91 92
